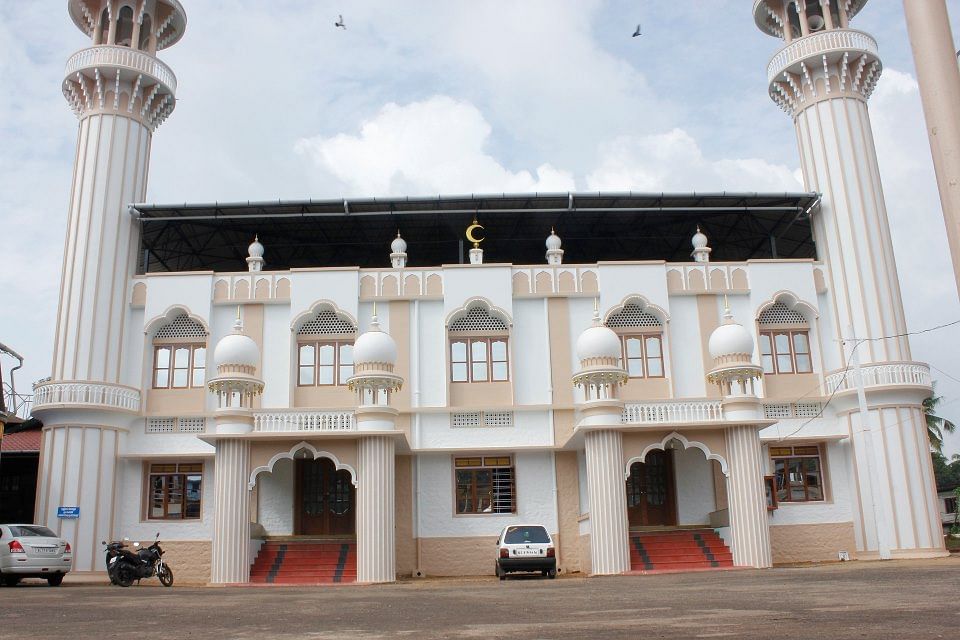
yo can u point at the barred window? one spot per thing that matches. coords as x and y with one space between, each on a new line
485 484
797 473
327 363
175 491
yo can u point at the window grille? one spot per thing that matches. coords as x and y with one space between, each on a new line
182 327
631 315
471 419
478 319
484 419
498 418
161 425
193 425
779 313
324 323
791 410
808 409
777 411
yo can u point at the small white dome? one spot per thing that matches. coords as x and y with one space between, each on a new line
375 346
730 338
255 249
399 245
553 241
236 349
699 241
598 342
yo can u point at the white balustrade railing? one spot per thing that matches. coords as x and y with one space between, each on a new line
284 421
125 57
673 412
93 394
818 44
877 375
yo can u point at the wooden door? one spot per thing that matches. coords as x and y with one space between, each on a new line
651 497
325 499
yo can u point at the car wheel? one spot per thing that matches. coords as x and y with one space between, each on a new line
55 581
552 574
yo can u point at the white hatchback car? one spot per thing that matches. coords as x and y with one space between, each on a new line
526 547
32 551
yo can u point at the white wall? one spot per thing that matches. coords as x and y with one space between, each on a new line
530 429
693 474
433 348
131 510
530 353
275 492
686 352
275 361
536 502
837 509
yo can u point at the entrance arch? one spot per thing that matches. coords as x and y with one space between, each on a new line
324 499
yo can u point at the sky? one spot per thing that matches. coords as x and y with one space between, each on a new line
424 97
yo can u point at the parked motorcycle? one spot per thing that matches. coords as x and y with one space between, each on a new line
113 553
143 563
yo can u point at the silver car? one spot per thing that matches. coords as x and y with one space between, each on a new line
32 551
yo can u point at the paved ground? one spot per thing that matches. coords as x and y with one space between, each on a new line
899 599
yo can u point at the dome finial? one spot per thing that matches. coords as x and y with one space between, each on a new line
596 312
374 320
238 323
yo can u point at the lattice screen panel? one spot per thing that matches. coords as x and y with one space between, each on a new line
325 323
161 425
193 425
779 313
182 327
632 316
478 319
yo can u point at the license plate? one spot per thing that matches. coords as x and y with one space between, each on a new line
47 550
526 552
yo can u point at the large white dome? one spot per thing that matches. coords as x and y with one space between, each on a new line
729 339
375 346
598 342
236 349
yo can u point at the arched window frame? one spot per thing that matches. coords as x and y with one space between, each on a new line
179 354
784 343
324 343
125 20
478 345
641 333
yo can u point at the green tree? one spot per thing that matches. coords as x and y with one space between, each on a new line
936 425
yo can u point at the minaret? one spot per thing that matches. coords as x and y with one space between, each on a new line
120 93
822 78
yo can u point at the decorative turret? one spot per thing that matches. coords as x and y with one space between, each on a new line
255 260
731 347
600 374
701 252
398 252
374 379
236 358
554 252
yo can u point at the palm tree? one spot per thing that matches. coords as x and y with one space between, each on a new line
936 425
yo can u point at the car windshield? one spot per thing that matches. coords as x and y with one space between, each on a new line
520 535
32 531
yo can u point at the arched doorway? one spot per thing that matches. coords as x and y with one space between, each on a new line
325 500
651 494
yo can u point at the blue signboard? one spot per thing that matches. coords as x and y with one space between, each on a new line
68 512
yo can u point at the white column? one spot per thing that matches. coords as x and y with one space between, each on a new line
746 498
230 561
609 548
376 546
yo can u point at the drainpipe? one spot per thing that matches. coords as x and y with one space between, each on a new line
13 388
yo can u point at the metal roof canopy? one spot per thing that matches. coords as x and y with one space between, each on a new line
594 227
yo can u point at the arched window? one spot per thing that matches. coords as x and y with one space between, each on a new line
784 341
641 338
325 350
104 26
125 27
180 354
479 347
146 25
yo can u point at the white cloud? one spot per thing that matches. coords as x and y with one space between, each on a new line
429 147
674 161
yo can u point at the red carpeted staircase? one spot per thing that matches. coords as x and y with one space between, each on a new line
678 550
305 562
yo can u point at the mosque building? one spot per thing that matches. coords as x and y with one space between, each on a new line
374 388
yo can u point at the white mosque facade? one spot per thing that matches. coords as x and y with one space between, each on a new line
584 364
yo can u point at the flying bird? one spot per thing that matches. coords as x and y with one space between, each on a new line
637 32
339 23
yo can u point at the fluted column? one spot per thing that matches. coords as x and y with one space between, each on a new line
746 498
230 562
376 546
609 549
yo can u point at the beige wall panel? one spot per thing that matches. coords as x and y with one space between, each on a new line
481 395
568 505
645 389
406 545
282 291
790 386
368 287
586 565
566 282
344 450
324 397
811 542
434 285
562 425
188 559
400 332
175 402
635 442
558 317
709 320
458 556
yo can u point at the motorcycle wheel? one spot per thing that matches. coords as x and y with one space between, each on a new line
124 576
166 576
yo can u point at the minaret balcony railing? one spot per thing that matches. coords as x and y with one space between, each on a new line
673 412
912 374
122 58
818 44
85 394
296 421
